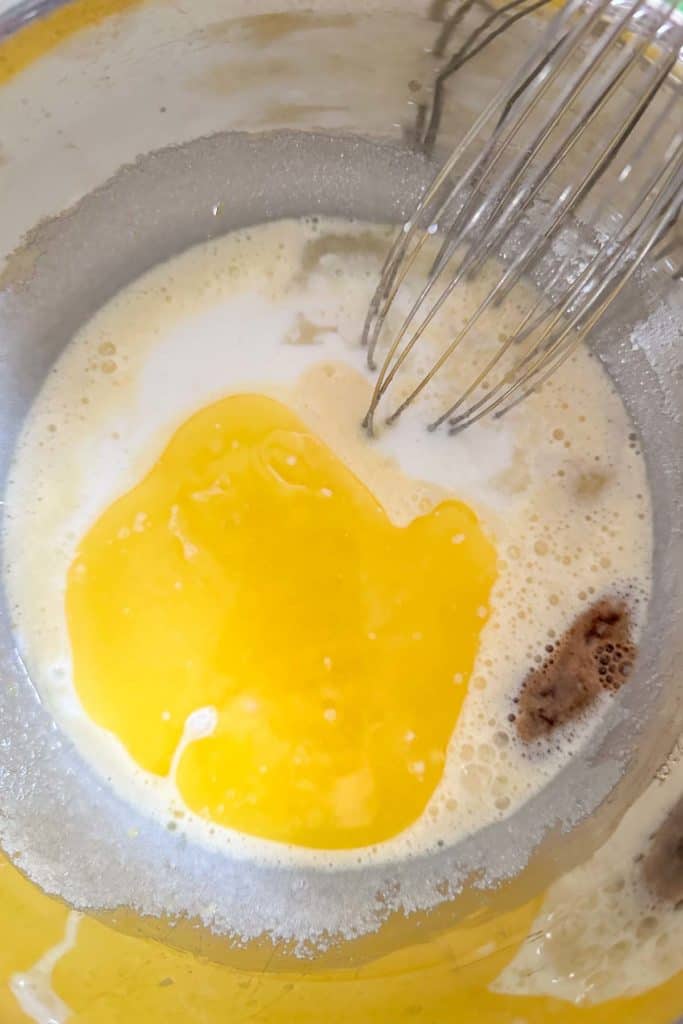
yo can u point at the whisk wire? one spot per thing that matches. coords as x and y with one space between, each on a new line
573 331
392 282
392 276
479 205
564 208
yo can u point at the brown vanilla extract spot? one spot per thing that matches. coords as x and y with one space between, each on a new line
663 864
595 654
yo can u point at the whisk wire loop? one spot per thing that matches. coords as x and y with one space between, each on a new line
600 89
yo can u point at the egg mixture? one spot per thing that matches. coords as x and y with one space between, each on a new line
265 627
289 639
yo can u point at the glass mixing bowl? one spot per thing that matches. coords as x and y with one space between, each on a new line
132 129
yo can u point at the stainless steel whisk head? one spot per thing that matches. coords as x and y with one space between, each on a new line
537 182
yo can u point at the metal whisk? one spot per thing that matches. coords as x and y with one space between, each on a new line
537 183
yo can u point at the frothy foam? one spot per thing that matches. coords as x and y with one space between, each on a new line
559 484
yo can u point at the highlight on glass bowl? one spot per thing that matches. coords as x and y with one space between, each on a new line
341 420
